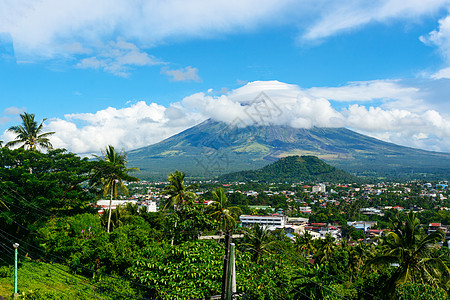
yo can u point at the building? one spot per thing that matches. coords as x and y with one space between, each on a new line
362 225
321 188
273 220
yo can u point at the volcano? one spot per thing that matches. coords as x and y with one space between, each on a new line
212 148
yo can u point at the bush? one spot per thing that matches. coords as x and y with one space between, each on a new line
418 291
6 271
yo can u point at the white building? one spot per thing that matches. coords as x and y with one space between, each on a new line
276 220
321 188
151 206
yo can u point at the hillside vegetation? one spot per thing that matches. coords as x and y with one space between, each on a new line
293 169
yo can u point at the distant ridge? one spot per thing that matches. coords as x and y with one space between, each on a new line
293 169
212 148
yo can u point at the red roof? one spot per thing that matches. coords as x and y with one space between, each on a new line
435 225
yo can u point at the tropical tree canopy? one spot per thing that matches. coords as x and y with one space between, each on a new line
179 194
257 240
412 250
225 215
110 174
30 134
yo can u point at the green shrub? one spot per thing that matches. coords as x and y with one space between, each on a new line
419 291
6 271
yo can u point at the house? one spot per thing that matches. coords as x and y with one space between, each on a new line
104 204
432 227
362 225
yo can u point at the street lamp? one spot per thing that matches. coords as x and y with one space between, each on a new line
15 245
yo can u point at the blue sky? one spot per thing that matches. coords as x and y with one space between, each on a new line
131 73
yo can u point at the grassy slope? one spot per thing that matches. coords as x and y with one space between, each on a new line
46 281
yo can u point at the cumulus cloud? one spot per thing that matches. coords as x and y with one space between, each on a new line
135 126
262 103
184 74
273 102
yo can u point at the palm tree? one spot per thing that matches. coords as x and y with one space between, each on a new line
179 194
30 134
226 216
258 241
326 248
221 212
111 175
411 249
304 243
358 254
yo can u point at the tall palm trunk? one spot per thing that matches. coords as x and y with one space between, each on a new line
175 208
110 205
228 237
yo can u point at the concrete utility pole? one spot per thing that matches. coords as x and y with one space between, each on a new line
231 278
15 245
225 264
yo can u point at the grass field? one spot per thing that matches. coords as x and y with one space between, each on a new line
38 280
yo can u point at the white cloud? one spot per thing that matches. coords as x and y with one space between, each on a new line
263 103
338 16
442 73
184 74
13 110
440 38
365 91
132 127
403 118
82 29
117 58
51 28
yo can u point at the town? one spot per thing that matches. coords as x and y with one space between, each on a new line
359 211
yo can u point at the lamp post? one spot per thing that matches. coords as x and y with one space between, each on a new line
15 245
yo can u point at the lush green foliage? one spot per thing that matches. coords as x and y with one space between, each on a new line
35 185
293 169
50 211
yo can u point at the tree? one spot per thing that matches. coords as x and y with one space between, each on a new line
326 248
258 241
225 215
30 134
54 188
411 249
179 194
304 243
111 174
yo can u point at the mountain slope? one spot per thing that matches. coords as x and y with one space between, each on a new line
214 148
293 169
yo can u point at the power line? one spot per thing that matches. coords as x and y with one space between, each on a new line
334 277
81 266
62 272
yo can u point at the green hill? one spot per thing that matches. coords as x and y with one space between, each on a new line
293 169
214 148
